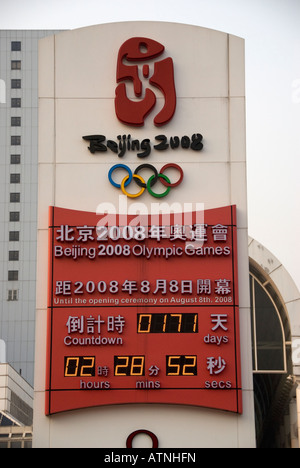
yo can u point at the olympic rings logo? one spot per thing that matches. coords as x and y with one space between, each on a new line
140 181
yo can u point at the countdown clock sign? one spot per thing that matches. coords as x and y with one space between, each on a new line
143 312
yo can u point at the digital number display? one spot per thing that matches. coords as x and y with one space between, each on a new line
167 323
181 365
79 366
129 366
176 365
125 330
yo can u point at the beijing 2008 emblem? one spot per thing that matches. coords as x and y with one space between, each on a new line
144 76
133 111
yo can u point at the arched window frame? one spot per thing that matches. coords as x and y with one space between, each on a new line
285 343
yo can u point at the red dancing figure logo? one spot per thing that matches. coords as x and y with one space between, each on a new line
134 111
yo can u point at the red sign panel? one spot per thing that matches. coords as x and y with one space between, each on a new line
143 312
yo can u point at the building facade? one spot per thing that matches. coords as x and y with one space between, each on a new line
18 194
16 409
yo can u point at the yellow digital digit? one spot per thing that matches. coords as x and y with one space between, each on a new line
71 368
190 368
165 323
137 365
122 368
195 323
143 316
88 369
179 321
173 365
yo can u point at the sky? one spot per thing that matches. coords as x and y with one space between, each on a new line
271 29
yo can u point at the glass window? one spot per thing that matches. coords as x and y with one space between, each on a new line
16 84
16 46
13 255
14 236
267 331
16 102
15 140
16 121
15 159
16 64
14 216
17 444
15 178
13 275
15 197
